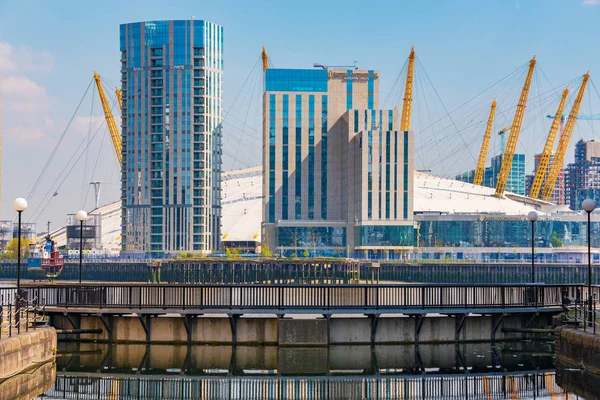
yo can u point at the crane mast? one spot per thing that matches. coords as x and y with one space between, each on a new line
540 173
119 99
484 147
265 58
110 121
515 128
407 101
563 142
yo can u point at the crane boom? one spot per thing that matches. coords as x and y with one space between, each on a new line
407 101
484 147
515 128
265 58
563 142
540 173
119 99
110 121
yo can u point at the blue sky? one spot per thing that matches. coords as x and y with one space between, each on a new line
48 50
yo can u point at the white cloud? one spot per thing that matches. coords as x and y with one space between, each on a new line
591 2
23 59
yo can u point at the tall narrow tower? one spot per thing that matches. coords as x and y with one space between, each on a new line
171 80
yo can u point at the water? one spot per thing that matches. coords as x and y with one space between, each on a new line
522 370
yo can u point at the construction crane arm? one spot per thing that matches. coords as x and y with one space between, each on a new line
540 173
515 129
563 142
112 127
119 99
484 147
407 101
265 58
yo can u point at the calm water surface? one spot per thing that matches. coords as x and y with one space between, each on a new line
523 370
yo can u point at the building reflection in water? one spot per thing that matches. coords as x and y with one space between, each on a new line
475 370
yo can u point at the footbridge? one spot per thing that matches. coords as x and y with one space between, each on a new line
278 313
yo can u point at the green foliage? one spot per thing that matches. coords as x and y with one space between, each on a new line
265 251
11 248
232 252
555 241
293 255
305 253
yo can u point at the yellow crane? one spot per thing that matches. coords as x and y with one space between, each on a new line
563 142
484 147
540 173
119 99
110 121
407 103
265 58
515 128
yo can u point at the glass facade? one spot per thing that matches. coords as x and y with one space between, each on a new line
382 235
311 236
516 178
171 77
296 80
505 233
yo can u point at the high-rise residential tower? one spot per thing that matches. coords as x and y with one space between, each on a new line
171 77
337 170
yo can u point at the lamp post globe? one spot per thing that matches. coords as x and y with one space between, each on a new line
19 204
588 205
532 215
81 215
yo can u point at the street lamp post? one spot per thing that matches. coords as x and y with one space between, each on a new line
20 205
82 217
588 206
532 216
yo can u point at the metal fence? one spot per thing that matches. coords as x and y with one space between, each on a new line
29 314
307 297
468 386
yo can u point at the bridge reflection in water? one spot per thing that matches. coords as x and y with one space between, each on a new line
475 371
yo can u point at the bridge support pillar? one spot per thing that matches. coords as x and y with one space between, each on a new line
107 325
233 319
418 325
145 322
374 318
496 322
460 322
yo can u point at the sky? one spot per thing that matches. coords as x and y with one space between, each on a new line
49 50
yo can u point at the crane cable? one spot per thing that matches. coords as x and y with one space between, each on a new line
57 145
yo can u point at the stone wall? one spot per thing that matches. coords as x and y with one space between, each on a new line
25 350
577 348
29 385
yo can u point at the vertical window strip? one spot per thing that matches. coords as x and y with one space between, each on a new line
380 171
272 158
371 89
405 200
324 158
349 90
284 156
298 173
395 174
387 174
311 156
390 119
370 175
355 121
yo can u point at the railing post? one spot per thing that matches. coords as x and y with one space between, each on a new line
164 296
366 297
10 319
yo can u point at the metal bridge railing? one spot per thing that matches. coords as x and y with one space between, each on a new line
580 315
29 315
306 297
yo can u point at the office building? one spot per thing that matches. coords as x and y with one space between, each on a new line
337 171
171 76
558 194
516 178
582 177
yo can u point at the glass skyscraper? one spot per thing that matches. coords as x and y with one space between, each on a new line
171 77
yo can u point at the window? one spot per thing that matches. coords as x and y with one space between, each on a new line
157 52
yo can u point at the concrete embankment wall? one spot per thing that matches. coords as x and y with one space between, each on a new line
29 385
316 331
578 348
29 348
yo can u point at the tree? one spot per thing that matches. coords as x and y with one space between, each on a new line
305 253
11 248
555 241
265 251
